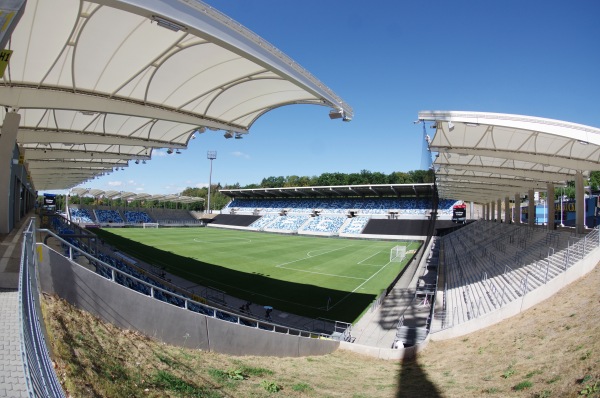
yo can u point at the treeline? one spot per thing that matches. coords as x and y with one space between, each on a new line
218 200
362 178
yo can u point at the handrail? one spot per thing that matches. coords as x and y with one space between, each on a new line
40 378
555 261
186 300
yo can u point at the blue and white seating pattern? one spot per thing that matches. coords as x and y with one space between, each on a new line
445 206
326 224
355 225
288 223
81 215
263 221
108 216
136 217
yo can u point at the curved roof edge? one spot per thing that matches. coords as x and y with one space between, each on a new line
484 156
236 37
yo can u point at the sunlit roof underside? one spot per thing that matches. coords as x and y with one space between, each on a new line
99 83
483 157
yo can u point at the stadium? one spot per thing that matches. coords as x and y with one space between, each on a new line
380 271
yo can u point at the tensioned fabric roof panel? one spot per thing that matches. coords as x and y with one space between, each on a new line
129 196
487 156
113 79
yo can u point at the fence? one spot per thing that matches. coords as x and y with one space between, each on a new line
577 249
155 292
40 377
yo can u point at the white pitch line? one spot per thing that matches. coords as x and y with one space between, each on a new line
315 272
360 262
309 256
359 286
322 273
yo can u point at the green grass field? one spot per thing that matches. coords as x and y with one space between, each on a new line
296 274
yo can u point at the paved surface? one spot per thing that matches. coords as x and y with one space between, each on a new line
378 328
12 376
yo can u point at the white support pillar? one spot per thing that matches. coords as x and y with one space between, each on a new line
579 205
506 210
8 139
493 206
518 208
531 208
499 210
550 206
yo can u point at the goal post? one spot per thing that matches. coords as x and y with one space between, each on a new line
150 225
397 253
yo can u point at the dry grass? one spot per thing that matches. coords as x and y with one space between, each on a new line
552 350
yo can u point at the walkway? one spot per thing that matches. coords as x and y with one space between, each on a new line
12 377
378 328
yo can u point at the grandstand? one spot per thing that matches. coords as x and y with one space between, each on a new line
136 217
366 211
487 269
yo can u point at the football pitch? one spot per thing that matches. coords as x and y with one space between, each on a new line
330 278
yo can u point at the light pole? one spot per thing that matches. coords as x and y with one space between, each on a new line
210 155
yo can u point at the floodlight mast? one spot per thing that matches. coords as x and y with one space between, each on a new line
210 155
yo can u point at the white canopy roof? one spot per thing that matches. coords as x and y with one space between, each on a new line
488 156
130 196
100 83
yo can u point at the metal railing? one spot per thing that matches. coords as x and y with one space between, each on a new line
188 303
41 380
537 273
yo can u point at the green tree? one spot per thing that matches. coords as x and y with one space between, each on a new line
595 180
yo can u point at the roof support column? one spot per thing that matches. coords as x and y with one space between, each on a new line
8 139
499 210
507 218
517 215
579 204
493 205
550 205
531 208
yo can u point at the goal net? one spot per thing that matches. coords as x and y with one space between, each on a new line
150 225
397 254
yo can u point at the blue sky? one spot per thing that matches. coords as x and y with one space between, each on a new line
389 60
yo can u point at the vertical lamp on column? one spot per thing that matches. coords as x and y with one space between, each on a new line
210 155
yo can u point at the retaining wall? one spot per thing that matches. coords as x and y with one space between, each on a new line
129 309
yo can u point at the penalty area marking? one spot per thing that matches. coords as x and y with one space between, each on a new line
310 255
371 265
359 286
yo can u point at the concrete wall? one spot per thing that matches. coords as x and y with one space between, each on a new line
532 298
128 309
397 227
238 220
